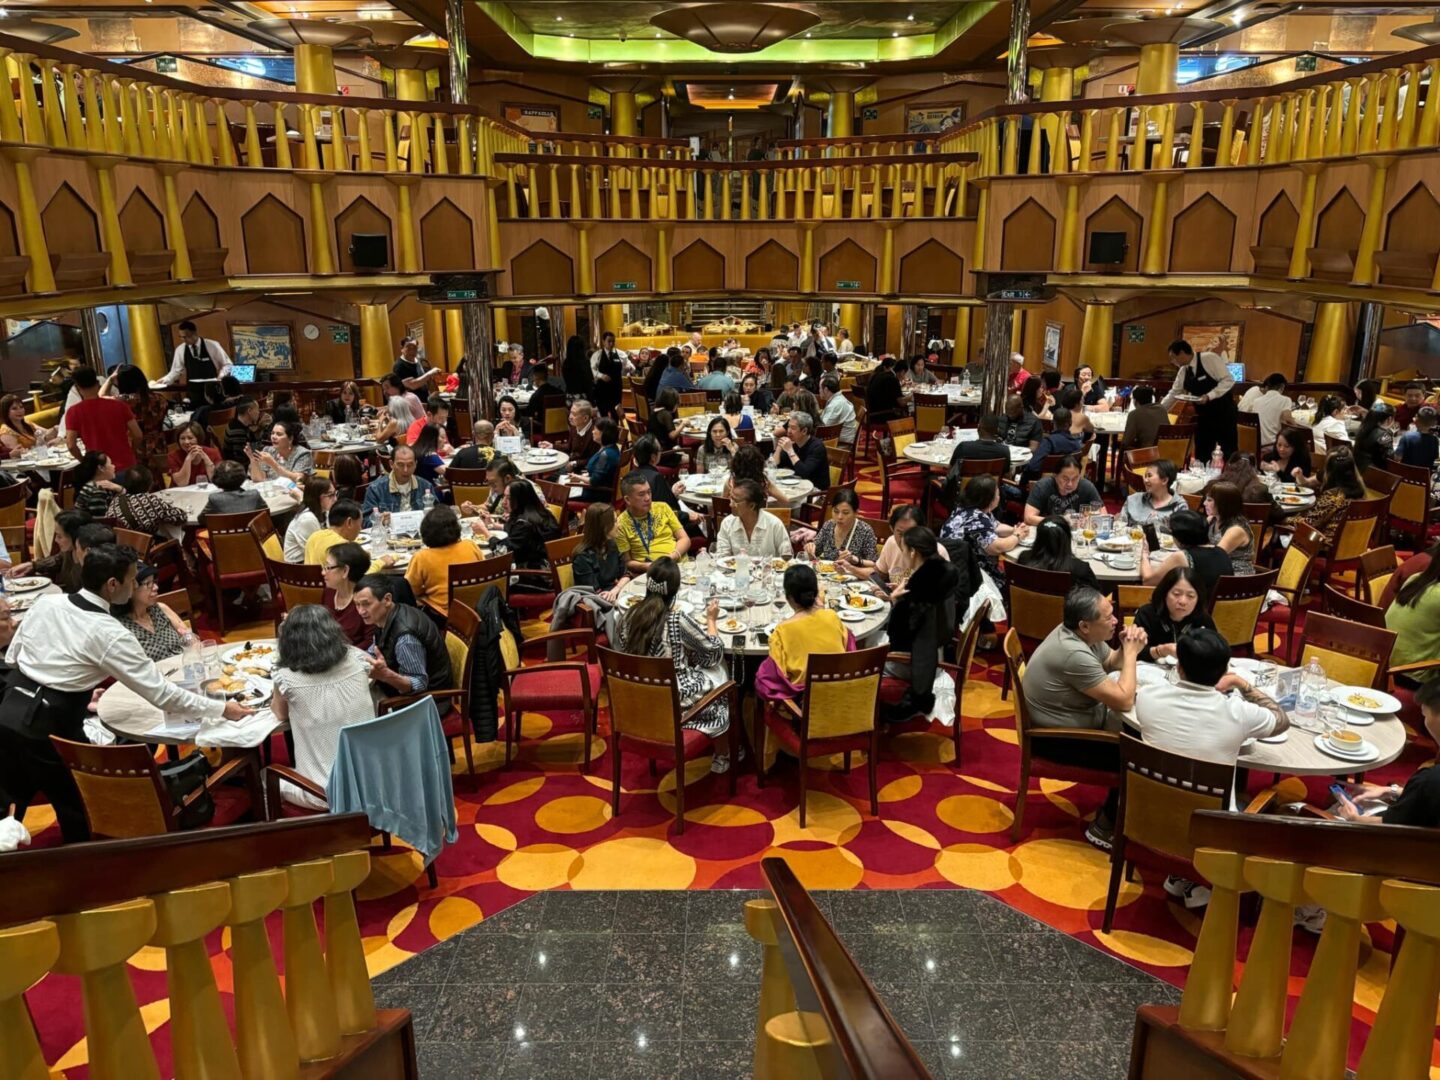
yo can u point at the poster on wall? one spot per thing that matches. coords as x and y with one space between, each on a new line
1053 332
542 118
933 118
268 346
415 331
1221 338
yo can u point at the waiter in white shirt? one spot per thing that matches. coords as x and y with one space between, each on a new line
608 370
201 360
63 650
1207 379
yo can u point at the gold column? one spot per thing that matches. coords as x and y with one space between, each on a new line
1227 133
253 157
1257 1021
362 130
1330 343
1112 143
1350 129
982 214
146 352
1195 151
807 256
50 100
264 1040
282 139
1097 338
1159 64
408 254
434 334
492 233
454 337
1403 1033
40 279
322 244
1012 145
887 259
623 113
662 257
777 997
70 94
1405 133
1429 131
199 1036
110 237
29 107
314 69
1374 220
1389 120
26 954
1370 119
612 317
94 122
1068 261
1158 228
1205 1005
840 114
1056 84
174 222
131 128
375 358
1305 224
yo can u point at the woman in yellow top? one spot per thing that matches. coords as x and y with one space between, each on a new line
17 433
812 629
428 572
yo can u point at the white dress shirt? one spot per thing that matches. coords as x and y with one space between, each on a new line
64 647
1270 406
839 410
1215 366
1330 428
218 356
770 539
72 398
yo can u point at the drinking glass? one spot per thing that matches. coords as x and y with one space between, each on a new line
1332 718
1265 675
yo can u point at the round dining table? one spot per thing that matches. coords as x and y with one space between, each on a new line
281 497
697 489
1098 561
538 462
21 600
936 453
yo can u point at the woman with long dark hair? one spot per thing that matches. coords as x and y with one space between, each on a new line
1329 426
16 431
1229 528
94 481
575 369
287 457
1375 438
348 406
1053 550
654 627
1339 484
1290 457
316 498
529 526
1193 548
921 622
428 462
149 408
1176 607
718 447
599 570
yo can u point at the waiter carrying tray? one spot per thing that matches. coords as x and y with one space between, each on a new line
1205 381
65 648
203 363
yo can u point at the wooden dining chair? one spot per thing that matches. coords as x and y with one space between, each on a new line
218 422
1235 604
1350 652
840 463
1293 583
898 482
646 718
294 584
1129 599
1177 443
235 553
468 485
1247 434
892 689
1032 759
1377 567
1352 539
178 601
468 580
1343 606
1037 601
1412 505
930 414
560 554
838 713
902 434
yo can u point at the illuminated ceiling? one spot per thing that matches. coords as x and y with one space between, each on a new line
730 96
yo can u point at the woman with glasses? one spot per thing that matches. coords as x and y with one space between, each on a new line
317 498
157 628
343 567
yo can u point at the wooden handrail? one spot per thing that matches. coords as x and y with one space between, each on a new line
47 882
743 166
1399 851
899 136
585 136
867 1038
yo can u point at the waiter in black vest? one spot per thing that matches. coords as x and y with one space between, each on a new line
1205 381
64 649
609 371
202 361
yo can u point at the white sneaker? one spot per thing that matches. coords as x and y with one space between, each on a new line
720 763
1193 895
1310 917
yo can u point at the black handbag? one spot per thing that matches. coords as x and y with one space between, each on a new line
184 777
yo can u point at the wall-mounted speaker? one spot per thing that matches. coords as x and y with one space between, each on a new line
370 251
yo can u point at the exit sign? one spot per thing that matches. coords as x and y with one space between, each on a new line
462 294
848 285
623 286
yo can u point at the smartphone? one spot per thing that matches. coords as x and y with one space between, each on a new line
1342 795
1151 536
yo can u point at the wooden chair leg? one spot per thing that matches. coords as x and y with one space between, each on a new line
432 877
615 777
847 762
1117 867
586 721
469 756
874 773
510 723
1022 791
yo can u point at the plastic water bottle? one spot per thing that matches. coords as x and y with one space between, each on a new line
965 379
192 663
1307 697
1217 459
427 501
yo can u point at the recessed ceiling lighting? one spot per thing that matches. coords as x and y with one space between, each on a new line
894 33
807 33
559 18
910 17
657 34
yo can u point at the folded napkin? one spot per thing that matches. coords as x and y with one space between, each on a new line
13 834
251 731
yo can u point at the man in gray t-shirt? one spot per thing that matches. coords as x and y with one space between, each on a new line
1067 685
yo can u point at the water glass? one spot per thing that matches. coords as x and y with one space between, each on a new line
1265 676
1332 718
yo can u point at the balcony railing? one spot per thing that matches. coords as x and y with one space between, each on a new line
877 188
1383 106
856 146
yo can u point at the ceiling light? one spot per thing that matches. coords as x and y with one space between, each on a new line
1238 18
657 35
559 18
910 17
894 33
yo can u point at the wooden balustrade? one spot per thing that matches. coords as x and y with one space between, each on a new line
856 146
580 144
1359 874
1386 105
86 909
875 188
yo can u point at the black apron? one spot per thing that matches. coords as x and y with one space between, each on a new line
1215 421
37 712
198 366
607 393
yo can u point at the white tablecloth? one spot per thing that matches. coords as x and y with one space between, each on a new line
192 497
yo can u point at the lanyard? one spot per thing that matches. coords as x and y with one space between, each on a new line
641 532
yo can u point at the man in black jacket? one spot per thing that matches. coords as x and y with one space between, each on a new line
985 447
798 449
409 655
883 393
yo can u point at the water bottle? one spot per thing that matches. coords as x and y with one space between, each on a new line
1217 459
192 662
965 379
1307 697
427 501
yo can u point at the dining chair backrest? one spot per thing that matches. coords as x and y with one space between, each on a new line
1342 606
1380 483
295 583
1306 543
644 699
1247 434
902 434
557 423
462 625
1258 516
1129 599
1037 601
983 467
1412 502
690 405
468 485
1377 567
839 464
1357 529
468 580
218 420
133 538
1142 456
262 530
930 414
464 422
120 787
12 503
1236 603
1015 662
65 486
178 601
881 527
1161 791
1350 652
235 547
561 556
1176 443
842 691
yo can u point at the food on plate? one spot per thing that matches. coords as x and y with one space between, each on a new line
858 600
406 543
778 564
1348 739
1361 701
255 652
732 625
226 684
1292 500
825 566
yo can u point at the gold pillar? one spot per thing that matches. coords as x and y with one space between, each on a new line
1068 261
1331 343
1153 259
1056 84
1159 64
612 318
344 954
110 237
434 319
623 115
840 114
850 320
26 953
887 259
1097 338
375 358
314 69
199 1037
492 232
1257 1021
807 256
1374 219
1305 223
454 338
40 279
174 222
662 258
322 244
146 352
264 1040
408 251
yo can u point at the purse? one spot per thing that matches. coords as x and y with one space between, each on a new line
181 779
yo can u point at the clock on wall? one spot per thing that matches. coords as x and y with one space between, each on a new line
311 331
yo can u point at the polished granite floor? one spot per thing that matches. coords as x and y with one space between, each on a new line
648 985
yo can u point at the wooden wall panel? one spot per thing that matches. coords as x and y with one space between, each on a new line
621 264
274 238
932 269
202 227
772 268
447 238
71 227
1339 224
1268 342
361 216
1028 238
1277 223
699 268
1414 224
1202 238
847 261
542 270
1116 215
141 224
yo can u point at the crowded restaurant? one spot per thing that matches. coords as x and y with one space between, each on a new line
607 502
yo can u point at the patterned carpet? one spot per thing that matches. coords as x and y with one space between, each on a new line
543 824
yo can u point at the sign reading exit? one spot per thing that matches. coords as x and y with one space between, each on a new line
847 285
623 286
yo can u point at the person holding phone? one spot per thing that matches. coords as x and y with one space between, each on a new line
1418 802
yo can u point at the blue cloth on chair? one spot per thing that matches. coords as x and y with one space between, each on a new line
395 770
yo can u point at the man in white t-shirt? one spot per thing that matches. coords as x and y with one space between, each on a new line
1269 403
1199 717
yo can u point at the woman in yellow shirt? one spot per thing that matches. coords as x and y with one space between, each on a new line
428 572
812 629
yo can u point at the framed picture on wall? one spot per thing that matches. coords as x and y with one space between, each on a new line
268 346
1053 334
934 117
542 118
415 331
1221 338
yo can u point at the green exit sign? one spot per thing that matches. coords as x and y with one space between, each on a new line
623 286
848 285
462 294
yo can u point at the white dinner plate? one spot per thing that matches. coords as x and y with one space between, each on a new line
1246 665
628 602
21 604
1368 754
732 625
1113 545
257 692
783 473
871 603
1275 740
851 615
263 654
1364 699
26 584
1149 674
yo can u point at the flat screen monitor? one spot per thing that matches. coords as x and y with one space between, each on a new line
1107 248
1237 372
243 372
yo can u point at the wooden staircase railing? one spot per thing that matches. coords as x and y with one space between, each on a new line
85 909
1359 874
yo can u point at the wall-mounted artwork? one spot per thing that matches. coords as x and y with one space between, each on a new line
1053 334
1221 338
934 117
268 346
541 118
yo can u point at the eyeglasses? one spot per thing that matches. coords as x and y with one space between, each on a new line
327 569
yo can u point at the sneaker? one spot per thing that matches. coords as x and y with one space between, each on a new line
1193 895
720 763
1101 836
1310 917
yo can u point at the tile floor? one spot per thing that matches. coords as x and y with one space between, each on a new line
648 985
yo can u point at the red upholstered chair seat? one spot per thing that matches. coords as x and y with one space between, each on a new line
694 744
552 689
789 738
531 603
250 580
231 804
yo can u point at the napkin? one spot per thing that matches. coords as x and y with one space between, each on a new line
251 731
13 834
